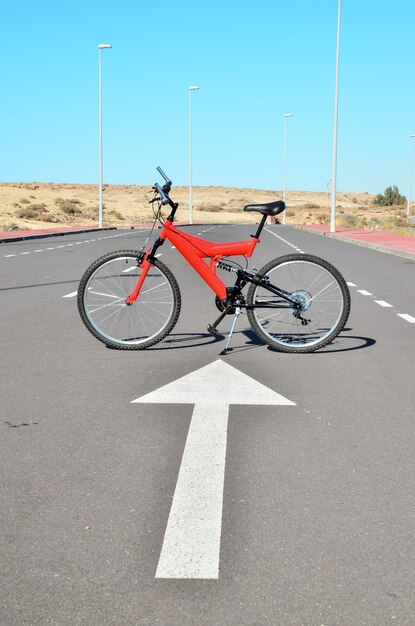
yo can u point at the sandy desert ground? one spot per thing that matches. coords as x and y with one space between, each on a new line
39 205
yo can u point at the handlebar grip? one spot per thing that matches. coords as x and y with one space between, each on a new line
164 197
160 171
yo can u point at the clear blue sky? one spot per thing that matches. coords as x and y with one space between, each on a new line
253 61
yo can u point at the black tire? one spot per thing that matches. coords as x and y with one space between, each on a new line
320 289
102 292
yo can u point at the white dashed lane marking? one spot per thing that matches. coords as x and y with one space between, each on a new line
293 246
363 292
77 243
385 305
407 318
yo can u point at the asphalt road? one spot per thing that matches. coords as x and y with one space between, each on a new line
318 507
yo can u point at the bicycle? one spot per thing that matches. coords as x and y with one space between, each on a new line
130 300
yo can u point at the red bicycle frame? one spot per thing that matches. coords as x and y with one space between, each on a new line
194 251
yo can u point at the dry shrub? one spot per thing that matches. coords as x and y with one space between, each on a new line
10 227
210 208
69 206
310 205
323 218
47 217
234 210
27 214
24 201
38 207
116 214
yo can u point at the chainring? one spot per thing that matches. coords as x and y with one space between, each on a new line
221 304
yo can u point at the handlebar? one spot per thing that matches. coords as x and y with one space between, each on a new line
164 197
164 191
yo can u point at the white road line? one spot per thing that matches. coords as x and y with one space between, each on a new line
383 303
364 292
50 248
70 295
8 255
25 253
39 250
407 318
351 284
285 241
129 269
106 295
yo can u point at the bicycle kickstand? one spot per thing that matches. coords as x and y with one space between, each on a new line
235 319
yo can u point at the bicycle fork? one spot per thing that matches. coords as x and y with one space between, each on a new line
145 266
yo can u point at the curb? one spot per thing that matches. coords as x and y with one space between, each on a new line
364 244
59 234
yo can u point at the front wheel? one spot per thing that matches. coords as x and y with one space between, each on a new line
102 295
319 308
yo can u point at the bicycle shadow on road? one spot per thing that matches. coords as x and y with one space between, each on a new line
342 343
180 341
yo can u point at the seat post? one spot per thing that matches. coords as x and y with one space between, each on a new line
260 226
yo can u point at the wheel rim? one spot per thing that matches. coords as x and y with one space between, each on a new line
104 302
319 294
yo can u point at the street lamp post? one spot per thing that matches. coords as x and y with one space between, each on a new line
336 107
286 116
408 206
101 47
191 89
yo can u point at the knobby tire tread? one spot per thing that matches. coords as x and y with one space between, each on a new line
337 329
111 256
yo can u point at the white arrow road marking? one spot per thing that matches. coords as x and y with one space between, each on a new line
191 545
70 295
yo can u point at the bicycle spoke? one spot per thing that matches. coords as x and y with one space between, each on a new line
312 284
104 301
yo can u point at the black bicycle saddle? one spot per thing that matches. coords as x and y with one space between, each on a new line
269 208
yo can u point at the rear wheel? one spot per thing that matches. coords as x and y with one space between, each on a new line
322 303
102 293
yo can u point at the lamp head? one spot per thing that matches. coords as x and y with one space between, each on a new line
101 46
288 115
194 88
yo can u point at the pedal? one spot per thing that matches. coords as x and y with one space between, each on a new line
213 331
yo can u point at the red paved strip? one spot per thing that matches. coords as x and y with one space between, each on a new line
371 237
